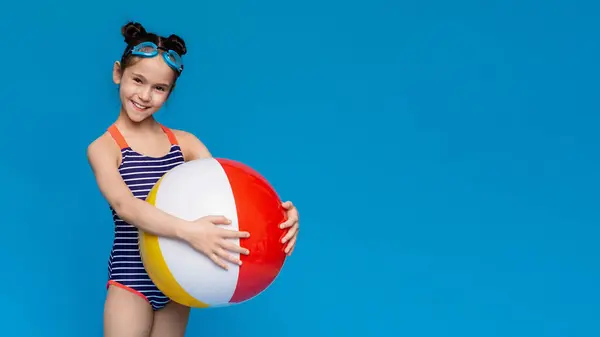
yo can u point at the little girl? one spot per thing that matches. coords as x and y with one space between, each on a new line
127 161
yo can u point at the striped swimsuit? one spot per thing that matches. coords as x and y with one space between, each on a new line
140 173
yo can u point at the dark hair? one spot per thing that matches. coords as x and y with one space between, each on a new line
134 33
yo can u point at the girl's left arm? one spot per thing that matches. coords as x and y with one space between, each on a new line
191 146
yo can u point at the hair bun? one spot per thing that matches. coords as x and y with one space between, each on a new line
177 44
132 31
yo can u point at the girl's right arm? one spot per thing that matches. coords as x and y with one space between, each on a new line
104 159
202 234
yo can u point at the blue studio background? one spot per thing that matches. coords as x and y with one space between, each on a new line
443 155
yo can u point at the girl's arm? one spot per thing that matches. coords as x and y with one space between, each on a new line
104 157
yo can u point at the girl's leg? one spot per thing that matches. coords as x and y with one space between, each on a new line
171 320
126 314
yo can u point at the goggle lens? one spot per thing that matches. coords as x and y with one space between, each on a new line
149 49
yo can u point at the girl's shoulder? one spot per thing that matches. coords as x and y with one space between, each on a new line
190 145
104 142
109 140
182 134
103 148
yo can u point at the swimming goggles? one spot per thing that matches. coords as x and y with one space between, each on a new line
149 49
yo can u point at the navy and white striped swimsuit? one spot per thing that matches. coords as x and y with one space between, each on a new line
140 173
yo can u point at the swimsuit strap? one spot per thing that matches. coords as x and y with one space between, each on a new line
118 137
170 134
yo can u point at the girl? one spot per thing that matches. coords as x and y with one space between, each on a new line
127 161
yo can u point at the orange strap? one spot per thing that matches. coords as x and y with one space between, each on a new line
170 134
118 137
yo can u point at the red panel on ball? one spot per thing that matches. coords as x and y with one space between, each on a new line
260 213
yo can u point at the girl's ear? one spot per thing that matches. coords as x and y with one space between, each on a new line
117 72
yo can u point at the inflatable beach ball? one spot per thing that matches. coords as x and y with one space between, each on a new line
216 187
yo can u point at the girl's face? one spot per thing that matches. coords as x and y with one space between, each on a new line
144 86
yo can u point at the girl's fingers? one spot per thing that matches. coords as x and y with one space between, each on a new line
234 248
224 255
291 233
290 246
231 234
218 261
289 223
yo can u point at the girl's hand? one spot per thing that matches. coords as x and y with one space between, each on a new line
204 236
294 226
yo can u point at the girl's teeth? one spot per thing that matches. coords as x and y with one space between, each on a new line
139 106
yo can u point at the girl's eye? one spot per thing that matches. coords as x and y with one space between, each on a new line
160 89
137 80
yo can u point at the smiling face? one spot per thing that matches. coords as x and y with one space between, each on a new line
145 85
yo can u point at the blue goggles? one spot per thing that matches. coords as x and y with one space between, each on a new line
149 49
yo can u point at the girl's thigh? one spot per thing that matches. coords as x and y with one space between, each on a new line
171 320
126 314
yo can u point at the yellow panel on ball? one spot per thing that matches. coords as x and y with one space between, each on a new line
156 266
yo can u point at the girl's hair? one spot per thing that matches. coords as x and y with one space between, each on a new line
134 33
